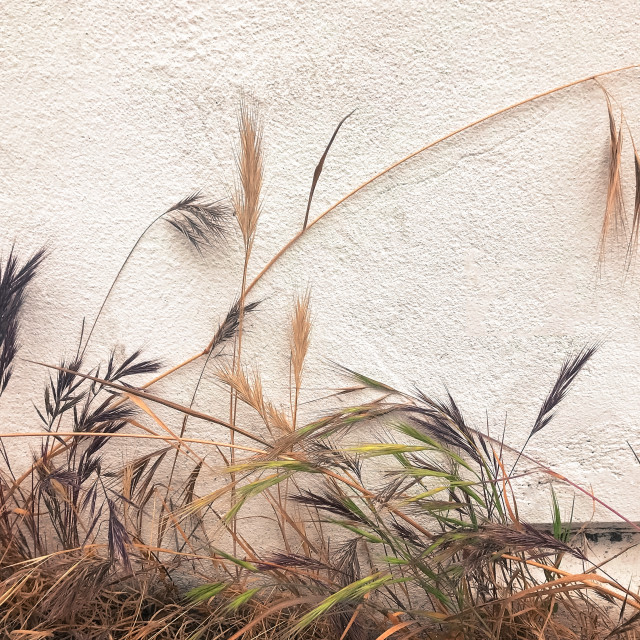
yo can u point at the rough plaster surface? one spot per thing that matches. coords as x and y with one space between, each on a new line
473 265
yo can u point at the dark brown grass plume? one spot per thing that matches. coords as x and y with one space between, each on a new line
300 336
14 281
201 222
246 195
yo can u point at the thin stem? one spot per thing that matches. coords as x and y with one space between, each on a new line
520 454
113 284
422 150
174 369
184 422
298 235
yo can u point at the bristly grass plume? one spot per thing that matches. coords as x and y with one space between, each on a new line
14 282
202 223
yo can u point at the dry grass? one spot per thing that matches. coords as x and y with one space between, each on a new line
390 517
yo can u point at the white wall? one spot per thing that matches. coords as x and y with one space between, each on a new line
472 265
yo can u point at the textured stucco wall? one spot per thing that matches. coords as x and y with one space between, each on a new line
472 265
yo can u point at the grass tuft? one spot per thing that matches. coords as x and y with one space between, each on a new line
393 516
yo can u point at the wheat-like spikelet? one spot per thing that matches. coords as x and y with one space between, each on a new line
246 195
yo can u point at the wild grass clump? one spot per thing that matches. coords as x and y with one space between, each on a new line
388 516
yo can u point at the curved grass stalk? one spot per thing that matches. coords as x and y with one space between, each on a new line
386 170
200 221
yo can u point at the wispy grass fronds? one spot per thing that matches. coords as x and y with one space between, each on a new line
133 391
132 365
300 332
569 370
328 454
444 421
390 517
118 537
500 537
248 386
331 502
